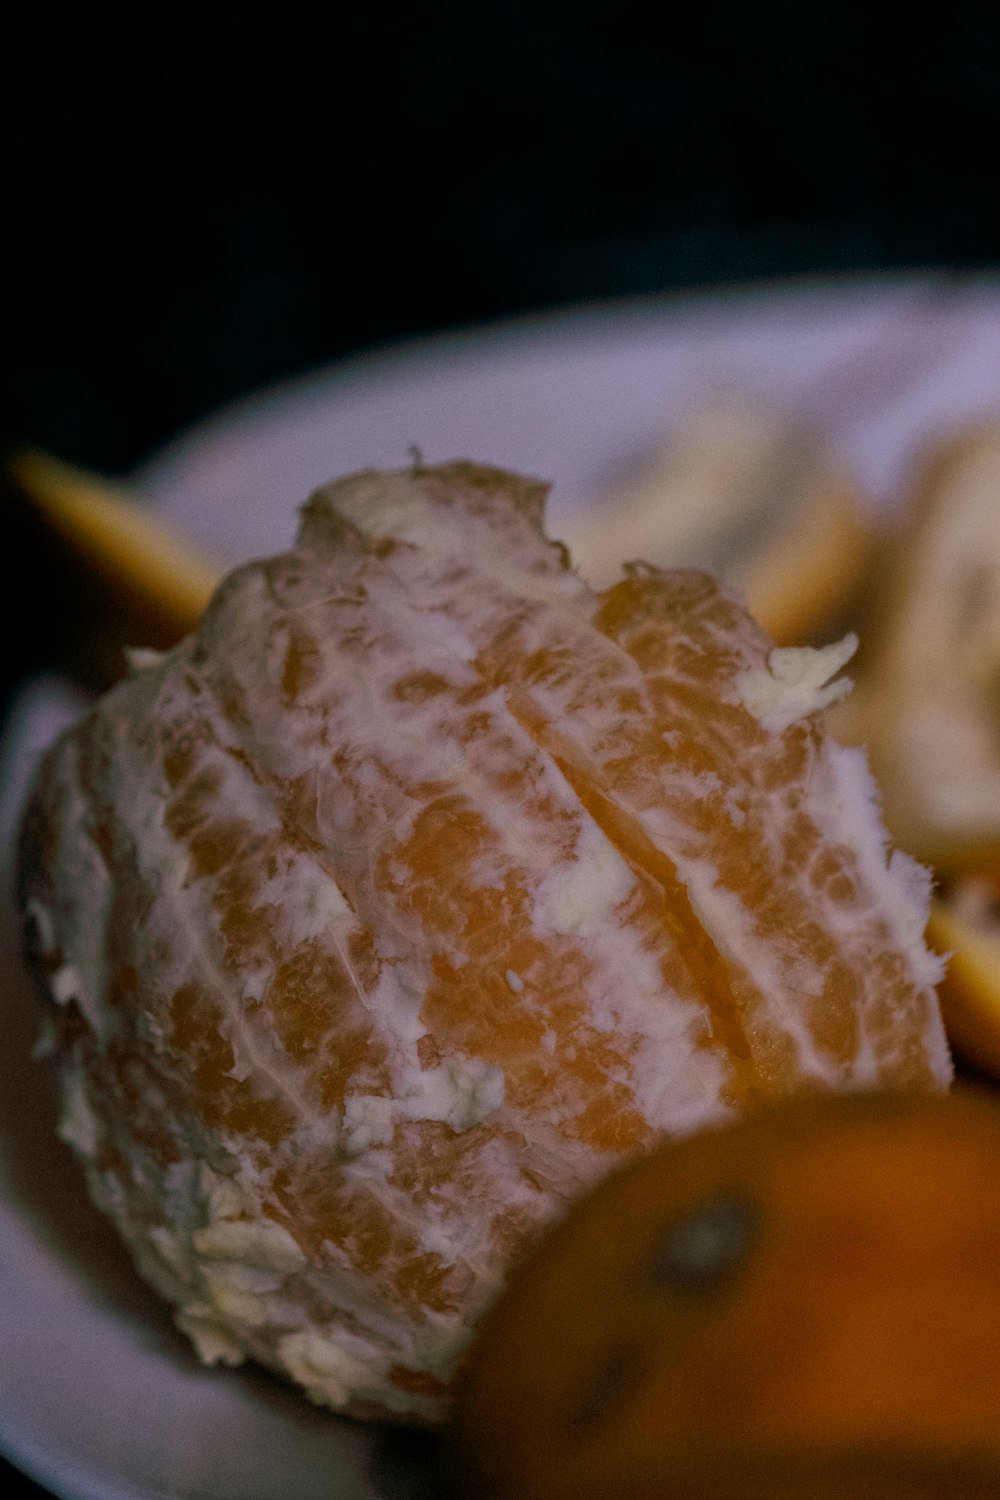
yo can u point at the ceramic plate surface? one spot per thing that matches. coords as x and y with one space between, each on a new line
99 1398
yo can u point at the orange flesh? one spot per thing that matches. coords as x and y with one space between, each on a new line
434 882
328 725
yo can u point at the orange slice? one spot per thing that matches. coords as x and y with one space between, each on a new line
119 539
743 491
926 706
970 990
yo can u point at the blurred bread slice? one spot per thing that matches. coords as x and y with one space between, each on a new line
742 491
928 704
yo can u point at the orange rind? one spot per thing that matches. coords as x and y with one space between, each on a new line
970 990
747 492
925 705
801 1304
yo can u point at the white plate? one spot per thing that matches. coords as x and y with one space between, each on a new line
98 1398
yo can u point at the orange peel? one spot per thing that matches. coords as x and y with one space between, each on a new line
804 1303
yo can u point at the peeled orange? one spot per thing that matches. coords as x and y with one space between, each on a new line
419 887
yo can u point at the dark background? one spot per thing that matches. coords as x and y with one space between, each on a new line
199 202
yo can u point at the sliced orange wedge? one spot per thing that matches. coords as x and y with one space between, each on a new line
970 990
